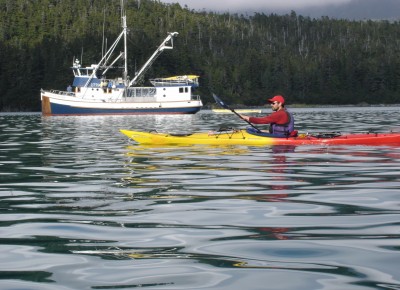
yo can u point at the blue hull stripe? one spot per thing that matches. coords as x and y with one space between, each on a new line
57 109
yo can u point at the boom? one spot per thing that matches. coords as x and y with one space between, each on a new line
146 66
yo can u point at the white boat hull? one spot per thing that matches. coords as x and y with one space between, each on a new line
63 103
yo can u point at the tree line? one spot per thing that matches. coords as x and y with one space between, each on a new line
242 58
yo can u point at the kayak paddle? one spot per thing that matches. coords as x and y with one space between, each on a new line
225 106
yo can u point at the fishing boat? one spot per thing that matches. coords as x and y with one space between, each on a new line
252 137
93 93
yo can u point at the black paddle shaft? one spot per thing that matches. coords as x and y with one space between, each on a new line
225 106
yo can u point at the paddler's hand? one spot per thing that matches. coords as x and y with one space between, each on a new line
244 117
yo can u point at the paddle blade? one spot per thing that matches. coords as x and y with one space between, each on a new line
220 102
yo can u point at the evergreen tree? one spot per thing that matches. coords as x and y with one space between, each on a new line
245 59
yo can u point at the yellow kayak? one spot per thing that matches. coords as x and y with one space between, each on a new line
238 137
246 137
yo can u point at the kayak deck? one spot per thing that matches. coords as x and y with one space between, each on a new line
243 137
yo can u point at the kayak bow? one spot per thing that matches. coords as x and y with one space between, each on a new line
251 138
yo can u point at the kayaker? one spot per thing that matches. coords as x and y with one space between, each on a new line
281 121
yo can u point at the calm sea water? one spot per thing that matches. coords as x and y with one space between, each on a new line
83 207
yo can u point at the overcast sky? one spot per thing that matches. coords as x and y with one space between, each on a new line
249 5
340 9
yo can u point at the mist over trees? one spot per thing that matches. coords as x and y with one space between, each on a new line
244 59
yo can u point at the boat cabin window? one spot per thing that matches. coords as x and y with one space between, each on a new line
141 92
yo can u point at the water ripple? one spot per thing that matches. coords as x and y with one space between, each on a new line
82 207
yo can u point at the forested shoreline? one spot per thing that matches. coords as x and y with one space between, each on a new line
242 58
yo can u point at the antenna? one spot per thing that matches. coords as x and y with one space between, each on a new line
102 44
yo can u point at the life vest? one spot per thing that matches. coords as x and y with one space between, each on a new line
283 130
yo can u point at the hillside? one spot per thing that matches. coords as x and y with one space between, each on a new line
243 59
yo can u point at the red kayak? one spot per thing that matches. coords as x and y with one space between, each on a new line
251 137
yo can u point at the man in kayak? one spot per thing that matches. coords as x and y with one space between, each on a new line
281 121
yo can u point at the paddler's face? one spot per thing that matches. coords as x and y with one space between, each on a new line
275 106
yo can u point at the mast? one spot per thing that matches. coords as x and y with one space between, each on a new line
124 27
